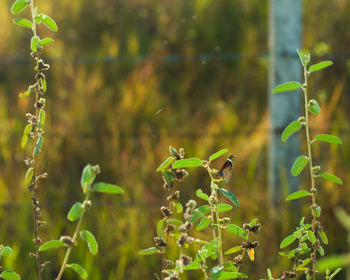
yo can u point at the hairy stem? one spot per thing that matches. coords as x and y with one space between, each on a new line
74 238
313 187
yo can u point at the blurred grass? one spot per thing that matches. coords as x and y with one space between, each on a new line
123 113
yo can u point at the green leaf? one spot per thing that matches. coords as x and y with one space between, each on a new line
42 117
188 162
52 244
22 22
311 236
165 164
175 222
90 239
149 251
328 138
19 6
6 251
192 266
320 250
35 43
29 176
38 145
179 207
43 83
204 223
299 165
331 177
25 136
316 211
107 188
49 22
230 196
237 231
79 270
301 57
224 275
218 154
25 94
160 228
323 237
224 207
75 212
319 66
202 195
168 177
88 176
287 241
253 222
297 194
9 275
292 128
332 262
288 86
46 41
233 250
335 273
314 107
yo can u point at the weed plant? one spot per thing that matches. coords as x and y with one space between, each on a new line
210 257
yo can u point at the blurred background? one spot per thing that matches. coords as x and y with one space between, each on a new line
128 78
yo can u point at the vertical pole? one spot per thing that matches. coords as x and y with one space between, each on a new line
285 24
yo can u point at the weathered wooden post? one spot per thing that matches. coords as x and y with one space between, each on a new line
285 24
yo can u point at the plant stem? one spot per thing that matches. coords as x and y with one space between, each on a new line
313 187
35 203
219 227
204 269
74 238
239 265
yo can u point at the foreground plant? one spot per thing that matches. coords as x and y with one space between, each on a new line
307 235
208 215
77 213
6 274
35 128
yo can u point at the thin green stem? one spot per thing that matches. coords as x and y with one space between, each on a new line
313 187
74 238
204 269
221 255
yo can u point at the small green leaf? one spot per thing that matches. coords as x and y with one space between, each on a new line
323 237
149 251
292 128
35 43
49 22
168 177
29 176
42 117
175 222
75 212
25 136
204 223
25 94
297 194
90 239
202 195
301 57
331 177
88 176
253 222
287 241
225 275
107 188
52 244
23 22
179 207
218 154
165 164
319 66
237 231
188 162
320 250
79 270
288 86
299 165
314 107
328 138
6 251
224 207
335 273
19 6
38 145
46 41
192 266
230 196
160 228
311 236
43 83
233 250
9 275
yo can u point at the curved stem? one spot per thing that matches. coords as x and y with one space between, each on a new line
74 238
